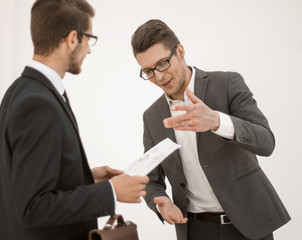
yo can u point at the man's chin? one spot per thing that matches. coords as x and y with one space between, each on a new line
168 91
74 71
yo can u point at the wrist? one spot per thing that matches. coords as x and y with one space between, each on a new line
216 121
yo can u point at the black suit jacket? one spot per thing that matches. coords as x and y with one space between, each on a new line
231 166
46 187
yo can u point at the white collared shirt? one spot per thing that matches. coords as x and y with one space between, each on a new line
199 192
51 75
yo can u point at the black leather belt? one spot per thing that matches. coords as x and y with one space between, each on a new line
220 218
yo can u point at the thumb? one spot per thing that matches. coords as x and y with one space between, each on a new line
110 170
158 200
192 97
118 172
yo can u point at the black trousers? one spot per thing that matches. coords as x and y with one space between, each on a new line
201 230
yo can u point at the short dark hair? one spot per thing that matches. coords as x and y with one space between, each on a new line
53 20
152 32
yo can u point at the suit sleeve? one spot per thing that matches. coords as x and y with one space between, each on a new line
35 132
252 131
156 186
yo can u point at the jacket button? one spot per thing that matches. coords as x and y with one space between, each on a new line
183 185
205 166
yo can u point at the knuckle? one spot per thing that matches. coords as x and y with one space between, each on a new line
193 115
193 122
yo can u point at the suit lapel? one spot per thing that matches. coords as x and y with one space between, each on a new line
165 113
200 88
201 82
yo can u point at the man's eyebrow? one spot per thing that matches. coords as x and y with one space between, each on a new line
159 61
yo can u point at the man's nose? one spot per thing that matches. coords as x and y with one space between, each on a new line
159 75
89 50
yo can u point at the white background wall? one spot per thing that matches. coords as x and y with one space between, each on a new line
261 39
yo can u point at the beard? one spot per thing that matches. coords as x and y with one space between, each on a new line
179 87
74 66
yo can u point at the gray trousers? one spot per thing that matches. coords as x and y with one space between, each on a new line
201 230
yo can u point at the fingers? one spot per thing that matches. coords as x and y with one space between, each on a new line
181 121
183 220
174 216
130 189
143 179
179 118
169 220
184 123
183 107
116 172
142 193
142 182
179 219
158 200
188 107
184 120
192 97
175 219
172 121
186 128
105 172
161 200
169 211
112 172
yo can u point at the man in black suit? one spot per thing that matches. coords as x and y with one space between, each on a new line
47 190
219 190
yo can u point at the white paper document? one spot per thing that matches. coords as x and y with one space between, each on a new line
153 157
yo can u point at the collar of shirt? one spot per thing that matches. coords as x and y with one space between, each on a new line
52 75
191 87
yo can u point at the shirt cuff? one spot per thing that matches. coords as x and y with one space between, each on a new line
114 194
226 127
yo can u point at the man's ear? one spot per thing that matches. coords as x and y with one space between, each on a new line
180 51
72 40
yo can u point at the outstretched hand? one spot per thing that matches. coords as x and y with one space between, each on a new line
198 117
169 211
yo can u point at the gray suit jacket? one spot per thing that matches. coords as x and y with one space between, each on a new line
231 166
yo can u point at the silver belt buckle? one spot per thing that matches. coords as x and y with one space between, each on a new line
222 220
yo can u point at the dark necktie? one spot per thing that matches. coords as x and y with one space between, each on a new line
69 107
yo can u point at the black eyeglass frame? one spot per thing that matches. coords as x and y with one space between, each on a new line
90 36
155 68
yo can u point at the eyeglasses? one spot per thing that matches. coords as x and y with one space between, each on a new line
160 67
92 39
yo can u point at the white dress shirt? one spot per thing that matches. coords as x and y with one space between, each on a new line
199 192
51 75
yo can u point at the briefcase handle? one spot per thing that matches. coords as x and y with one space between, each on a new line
110 223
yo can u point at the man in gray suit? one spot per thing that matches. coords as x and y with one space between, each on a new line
219 190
